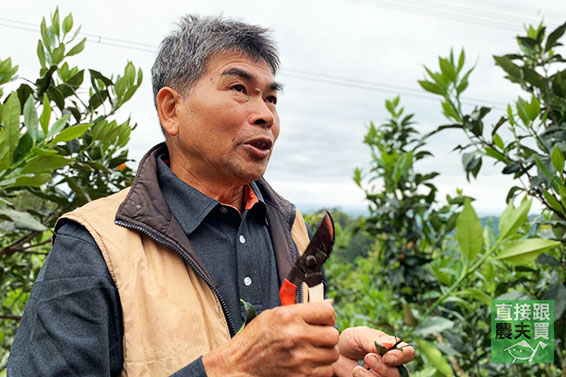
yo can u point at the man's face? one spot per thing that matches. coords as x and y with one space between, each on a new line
228 122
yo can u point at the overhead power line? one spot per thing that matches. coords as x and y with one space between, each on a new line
455 11
290 72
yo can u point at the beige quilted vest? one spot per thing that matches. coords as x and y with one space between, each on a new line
171 316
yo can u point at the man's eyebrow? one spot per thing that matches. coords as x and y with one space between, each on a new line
238 72
275 86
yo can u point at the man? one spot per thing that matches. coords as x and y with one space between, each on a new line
148 281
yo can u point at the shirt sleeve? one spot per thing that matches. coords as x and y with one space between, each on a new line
194 369
72 324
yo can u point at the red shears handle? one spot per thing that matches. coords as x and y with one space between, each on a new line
287 293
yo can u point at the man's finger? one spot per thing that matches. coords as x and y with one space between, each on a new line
398 357
378 366
322 336
316 313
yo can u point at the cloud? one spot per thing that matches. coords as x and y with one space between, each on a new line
322 124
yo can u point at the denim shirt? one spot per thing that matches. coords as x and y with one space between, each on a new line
72 324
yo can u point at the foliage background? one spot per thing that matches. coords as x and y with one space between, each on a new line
60 147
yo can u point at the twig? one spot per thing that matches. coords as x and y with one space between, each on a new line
37 244
18 244
453 360
32 252
11 316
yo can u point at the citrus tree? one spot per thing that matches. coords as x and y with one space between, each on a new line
440 304
60 147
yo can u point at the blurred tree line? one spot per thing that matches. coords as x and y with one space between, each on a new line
422 267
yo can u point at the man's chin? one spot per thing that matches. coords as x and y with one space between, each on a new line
252 175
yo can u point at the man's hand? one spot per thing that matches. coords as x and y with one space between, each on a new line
294 340
357 343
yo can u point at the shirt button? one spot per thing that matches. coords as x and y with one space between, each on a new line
247 281
223 210
242 238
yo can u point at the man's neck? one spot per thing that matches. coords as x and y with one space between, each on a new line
232 195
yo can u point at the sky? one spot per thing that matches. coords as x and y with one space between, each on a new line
341 59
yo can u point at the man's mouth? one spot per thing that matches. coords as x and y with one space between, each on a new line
263 145
260 147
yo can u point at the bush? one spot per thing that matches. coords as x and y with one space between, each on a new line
59 148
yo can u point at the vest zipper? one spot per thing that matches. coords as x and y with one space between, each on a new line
186 259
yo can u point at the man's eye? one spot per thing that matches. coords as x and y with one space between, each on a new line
239 88
272 99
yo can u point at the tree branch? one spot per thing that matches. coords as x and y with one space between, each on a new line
11 316
10 249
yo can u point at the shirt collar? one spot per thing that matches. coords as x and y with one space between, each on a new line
190 206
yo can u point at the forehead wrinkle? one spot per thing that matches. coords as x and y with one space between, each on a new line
240 73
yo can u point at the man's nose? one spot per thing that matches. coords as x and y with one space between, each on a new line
262 114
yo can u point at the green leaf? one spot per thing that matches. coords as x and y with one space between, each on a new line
512 218
554 36
22 220
547 260
41 54
469 232
30 118
552 201
55 22
447 69
557 293
130 73
24 146
526 251
476 294
250 314
45 35
431 87
513 70
57 126
403 372
497 141
45 164
522 110
43 152
557 159
11 121
433 325
77 48
71 133
120 87
45 114
450 111
58 54
461 87
30 180
533 78
533 108
67 23
556 183
461 60
510 115
435 357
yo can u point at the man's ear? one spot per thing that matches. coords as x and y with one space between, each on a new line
168 103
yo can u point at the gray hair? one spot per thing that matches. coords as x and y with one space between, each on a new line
183 54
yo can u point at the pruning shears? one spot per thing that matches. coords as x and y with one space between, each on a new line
308 268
